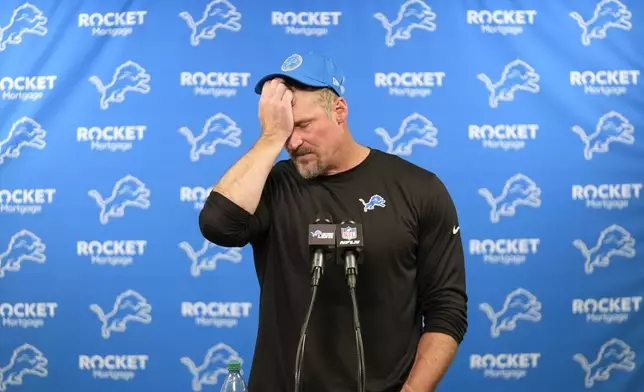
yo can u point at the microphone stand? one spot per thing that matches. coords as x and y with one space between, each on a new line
351 271
322 240
352 244
318 258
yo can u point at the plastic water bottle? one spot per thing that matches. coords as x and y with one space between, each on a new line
234 381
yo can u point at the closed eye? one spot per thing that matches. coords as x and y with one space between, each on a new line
302 124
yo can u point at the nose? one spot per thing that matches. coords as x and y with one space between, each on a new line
294 141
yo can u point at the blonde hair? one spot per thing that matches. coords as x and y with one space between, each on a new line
326 97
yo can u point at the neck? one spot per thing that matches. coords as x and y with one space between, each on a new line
350 155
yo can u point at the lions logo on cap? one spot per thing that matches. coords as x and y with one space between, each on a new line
292 62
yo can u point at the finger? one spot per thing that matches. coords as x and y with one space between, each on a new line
288 96
268 89
279 91
265 88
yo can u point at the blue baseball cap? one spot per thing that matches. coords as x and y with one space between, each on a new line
310 69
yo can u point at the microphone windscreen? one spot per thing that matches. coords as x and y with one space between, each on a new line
323 217
349 237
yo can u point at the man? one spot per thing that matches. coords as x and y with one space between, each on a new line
413 257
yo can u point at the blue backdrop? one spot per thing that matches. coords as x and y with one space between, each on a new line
118 116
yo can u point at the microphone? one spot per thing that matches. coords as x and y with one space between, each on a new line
350 242
321 245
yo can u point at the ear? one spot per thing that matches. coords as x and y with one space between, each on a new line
341 110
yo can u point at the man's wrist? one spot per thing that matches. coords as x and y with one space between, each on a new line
271 141
270 144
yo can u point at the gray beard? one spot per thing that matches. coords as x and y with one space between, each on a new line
311 171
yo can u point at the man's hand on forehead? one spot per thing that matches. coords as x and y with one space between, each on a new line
276 109
289 87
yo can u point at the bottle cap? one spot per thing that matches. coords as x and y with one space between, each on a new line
234 366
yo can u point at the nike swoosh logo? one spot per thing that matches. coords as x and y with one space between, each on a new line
456 229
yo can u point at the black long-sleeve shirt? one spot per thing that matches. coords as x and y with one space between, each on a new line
413 269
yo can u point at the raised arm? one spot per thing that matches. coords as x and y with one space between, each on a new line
229 215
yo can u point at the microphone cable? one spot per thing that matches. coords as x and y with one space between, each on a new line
351 281
299 356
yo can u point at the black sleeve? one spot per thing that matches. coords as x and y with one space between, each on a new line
441 264
224 223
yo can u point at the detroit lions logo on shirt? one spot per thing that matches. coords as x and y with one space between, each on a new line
374 201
